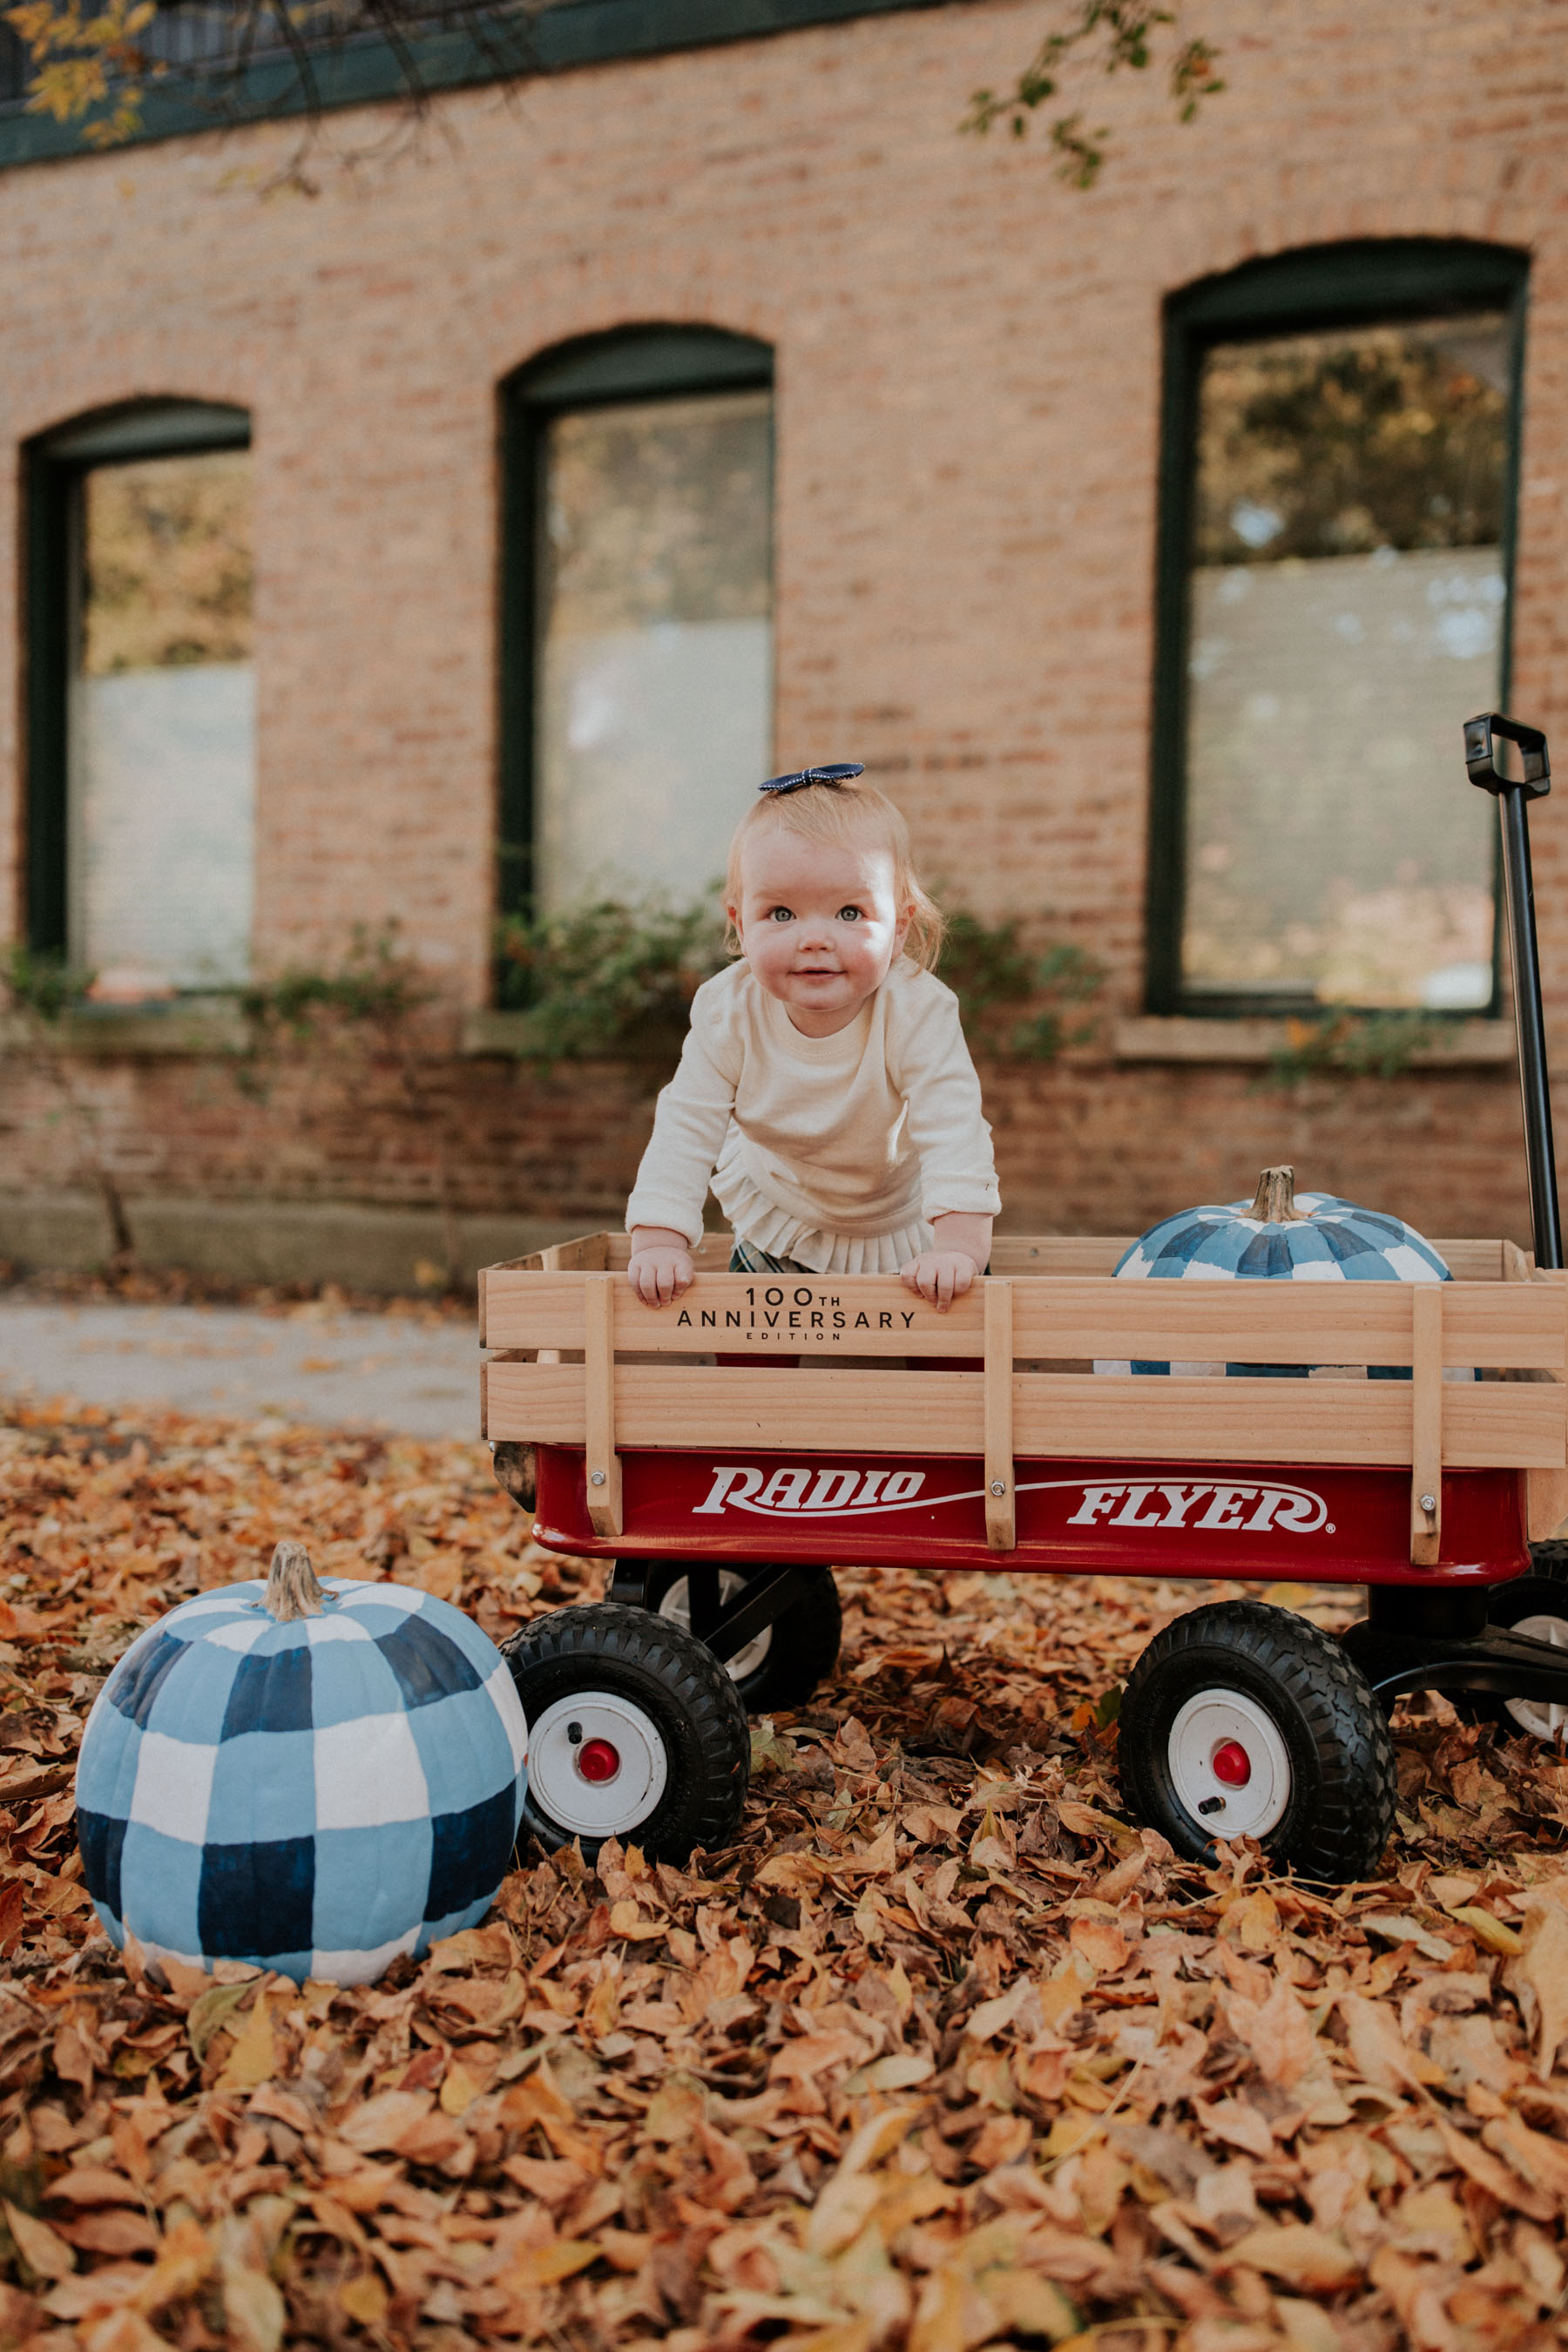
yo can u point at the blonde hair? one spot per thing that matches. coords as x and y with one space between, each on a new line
842 813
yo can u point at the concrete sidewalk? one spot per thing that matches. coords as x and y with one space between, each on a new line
391 1373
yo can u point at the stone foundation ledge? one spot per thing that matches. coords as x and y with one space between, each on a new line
397 1251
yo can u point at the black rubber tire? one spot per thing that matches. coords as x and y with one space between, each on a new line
1549 1559
1524 1596
1339 1816
1539 1594
690 1699
803 1644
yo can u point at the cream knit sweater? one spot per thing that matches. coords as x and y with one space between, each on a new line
835 1151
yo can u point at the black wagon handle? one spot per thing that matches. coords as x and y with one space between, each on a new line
1517 774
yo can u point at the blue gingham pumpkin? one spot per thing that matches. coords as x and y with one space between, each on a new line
315 1796
1328 1240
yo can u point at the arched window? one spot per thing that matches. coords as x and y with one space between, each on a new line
637 658
141 701
1339 439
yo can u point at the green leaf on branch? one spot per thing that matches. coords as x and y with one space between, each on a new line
1112 34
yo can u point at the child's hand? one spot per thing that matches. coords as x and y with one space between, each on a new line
660 1267
940 1276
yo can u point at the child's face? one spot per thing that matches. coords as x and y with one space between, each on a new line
819 924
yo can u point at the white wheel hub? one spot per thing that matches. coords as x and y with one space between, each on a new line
1542 1717
597 1764
1229 1767
676 1605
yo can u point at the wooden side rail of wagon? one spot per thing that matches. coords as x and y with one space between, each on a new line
577 1360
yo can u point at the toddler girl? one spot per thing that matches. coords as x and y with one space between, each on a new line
825 1090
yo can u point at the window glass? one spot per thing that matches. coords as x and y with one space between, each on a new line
655 670
162 726
1346 611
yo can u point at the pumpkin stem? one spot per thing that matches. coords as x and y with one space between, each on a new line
292 1588
1274 1203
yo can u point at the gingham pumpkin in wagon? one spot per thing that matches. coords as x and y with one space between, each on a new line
1279 1236
313 1778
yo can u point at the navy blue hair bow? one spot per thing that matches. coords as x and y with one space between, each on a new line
815 775
840 775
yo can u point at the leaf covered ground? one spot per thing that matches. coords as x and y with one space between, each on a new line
942 2054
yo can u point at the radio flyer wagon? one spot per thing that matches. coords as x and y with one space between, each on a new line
724 1491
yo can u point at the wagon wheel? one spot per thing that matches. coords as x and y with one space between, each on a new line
635 1731
784 1663
1533 1603
1245 1721
1536 1605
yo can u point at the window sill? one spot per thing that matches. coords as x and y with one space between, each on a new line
1468 1045
185 1026
514 1037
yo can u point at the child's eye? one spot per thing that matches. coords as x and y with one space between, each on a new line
779 915
849 913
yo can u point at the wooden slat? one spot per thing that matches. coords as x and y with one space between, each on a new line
1474 1261
1058 1253
1546 1502
1517 1325
1426 1422
1001 1513
1501 1424
1467 1260
603 1464
546 1310
711 1253
533 1263
1491 1324
586 1254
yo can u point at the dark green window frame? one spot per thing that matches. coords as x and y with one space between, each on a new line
645 363
1370 283
54 467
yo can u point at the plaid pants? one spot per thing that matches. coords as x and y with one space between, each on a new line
746 1257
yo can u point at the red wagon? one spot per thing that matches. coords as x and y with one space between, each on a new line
845 1417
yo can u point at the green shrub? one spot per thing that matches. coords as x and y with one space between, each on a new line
377 982
599 978
1351 1045
1019 1000
609 976
44 986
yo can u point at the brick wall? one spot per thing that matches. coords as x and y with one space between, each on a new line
968 357
1081 1146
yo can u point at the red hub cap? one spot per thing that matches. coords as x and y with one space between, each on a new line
597 1760
1232 1764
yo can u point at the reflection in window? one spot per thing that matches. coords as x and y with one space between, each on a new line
1347 604
655 670
162 725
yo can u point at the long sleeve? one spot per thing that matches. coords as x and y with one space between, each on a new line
689 1124
929 1062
